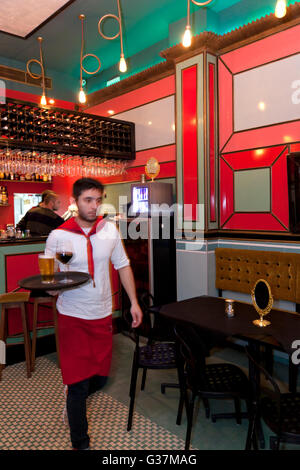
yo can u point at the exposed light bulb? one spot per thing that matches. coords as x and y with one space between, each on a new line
280 10
187 37
122 64
81 96
43 100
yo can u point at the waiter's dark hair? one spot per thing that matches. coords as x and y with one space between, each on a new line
86 183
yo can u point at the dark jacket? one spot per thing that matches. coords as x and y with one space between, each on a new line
40 221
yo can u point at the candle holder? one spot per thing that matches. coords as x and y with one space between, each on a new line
229 308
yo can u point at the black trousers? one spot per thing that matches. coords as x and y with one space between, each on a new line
76 408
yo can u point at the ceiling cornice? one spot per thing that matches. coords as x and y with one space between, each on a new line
150 75
206 41
219 44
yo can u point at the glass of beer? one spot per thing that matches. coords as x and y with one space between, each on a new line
46 265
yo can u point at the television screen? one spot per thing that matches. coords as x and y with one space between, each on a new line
140 199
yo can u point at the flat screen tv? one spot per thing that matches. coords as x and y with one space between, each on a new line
293 171
140 199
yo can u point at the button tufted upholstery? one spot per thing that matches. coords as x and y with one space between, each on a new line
238 270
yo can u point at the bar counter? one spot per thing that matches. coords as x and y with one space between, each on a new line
19 259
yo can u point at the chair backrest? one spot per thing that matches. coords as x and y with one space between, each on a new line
259 369
161 328
193 351
14 297
146 327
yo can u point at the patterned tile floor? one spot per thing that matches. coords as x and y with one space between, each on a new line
31 409
31 416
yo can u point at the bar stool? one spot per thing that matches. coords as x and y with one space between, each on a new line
37 301
9 301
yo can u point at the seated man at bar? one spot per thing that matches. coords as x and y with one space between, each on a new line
88 243
41 220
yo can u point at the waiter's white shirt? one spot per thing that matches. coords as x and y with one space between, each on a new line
86 301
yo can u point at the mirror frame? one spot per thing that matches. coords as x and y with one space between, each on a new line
268 308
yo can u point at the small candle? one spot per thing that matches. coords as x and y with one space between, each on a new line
229 307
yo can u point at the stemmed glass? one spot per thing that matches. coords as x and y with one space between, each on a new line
64 254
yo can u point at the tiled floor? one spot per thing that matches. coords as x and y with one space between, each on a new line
31 409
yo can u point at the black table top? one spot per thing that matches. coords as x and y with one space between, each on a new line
209 313
35 282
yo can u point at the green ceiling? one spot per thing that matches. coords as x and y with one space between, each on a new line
149 26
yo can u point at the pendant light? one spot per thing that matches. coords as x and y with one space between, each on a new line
187 37
280 9
40 62
122 63
81 94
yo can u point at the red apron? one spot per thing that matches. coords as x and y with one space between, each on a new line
85 347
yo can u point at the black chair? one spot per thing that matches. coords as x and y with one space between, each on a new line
280 411
208 381
158 353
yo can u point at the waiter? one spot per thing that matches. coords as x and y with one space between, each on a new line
85 313
42 219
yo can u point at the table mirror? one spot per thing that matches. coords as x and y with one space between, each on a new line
262 300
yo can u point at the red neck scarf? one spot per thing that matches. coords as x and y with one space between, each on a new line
72 226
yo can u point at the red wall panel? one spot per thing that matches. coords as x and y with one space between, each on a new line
143 95
253 158
20 95
250 221
212 142
162 154
267 143
226 192
189 140
266 50
280 200
225 105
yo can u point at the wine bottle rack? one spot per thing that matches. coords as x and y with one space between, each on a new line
27 126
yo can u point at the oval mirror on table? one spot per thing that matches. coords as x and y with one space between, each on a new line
262 300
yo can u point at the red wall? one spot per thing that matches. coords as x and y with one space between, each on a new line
261 147
7 213
166 155
20 95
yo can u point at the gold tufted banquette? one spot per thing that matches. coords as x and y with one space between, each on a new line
238 270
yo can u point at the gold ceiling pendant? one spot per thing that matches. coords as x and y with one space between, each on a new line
42 75
187 37
82 95
122 63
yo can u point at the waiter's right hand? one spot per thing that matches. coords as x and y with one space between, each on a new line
137 315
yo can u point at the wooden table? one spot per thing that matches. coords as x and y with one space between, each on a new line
208 313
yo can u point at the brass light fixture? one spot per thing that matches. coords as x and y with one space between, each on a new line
42 75
122 63
187 37
280 9
81 95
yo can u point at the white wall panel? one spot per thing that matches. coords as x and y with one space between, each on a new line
154 123
266 95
